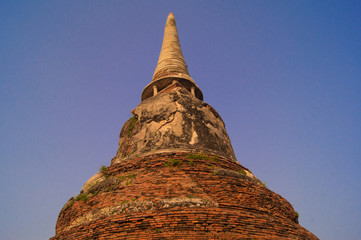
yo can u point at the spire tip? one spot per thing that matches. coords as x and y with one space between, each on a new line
171 65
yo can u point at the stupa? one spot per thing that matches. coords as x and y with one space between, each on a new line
175 175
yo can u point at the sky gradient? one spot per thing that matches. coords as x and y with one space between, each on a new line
284 75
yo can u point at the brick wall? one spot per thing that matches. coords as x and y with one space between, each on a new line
179 196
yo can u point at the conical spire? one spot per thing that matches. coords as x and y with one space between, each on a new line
171 65
171 61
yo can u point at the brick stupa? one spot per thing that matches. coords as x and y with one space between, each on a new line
175 175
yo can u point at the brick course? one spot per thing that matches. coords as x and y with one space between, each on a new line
174 196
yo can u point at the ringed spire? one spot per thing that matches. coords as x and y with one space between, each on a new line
171 65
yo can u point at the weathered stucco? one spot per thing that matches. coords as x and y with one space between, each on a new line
98 177
173 121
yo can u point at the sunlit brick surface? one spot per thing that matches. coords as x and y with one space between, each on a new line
179 196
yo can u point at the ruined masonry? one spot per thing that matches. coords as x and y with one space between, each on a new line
175 175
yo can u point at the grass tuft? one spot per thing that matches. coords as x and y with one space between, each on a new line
104 170
173 163
82 196
201 156
297 214
133 121
198 156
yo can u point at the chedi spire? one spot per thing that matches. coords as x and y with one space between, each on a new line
171 65
175 175
171 62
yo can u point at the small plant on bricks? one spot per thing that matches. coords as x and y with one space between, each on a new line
201 156
133 121
104 171
173 163
191 163
82 196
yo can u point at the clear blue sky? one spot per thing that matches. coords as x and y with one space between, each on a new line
284 75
